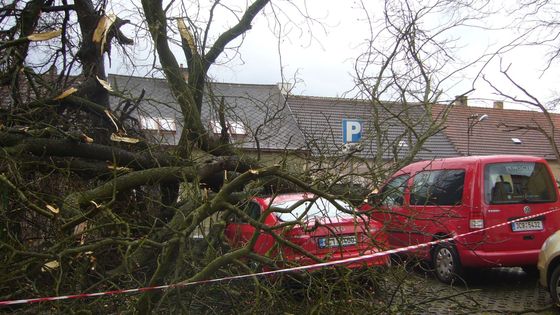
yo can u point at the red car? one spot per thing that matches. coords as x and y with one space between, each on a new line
317 226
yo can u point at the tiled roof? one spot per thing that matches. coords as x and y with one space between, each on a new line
260 108
320 119
491 137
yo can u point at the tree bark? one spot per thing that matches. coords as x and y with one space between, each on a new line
193 130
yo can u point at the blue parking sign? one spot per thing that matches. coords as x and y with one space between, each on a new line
351 130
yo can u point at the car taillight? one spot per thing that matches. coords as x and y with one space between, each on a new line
476 224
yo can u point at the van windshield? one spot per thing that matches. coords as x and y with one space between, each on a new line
518 182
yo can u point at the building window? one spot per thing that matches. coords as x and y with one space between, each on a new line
234 128
167 124
148 123
158 123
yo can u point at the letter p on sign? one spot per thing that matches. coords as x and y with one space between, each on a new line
351 130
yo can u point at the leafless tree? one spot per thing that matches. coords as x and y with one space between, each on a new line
88 205
409 59
536 25
545 124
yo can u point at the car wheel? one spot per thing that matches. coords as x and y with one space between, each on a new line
446 263
554 285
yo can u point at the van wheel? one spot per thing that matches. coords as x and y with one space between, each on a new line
554 286
446 263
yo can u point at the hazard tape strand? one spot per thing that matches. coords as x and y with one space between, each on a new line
271 272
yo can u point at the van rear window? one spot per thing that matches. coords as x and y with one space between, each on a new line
518 182
442 188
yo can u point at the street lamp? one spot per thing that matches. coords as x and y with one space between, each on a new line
472 121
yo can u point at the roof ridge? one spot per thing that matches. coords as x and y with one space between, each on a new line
324 97
211 82
347 100
538 111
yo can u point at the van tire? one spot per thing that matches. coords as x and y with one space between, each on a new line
554 286
446 263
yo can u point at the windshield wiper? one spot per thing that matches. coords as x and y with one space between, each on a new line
527 200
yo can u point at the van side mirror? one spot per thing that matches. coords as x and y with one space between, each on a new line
374 199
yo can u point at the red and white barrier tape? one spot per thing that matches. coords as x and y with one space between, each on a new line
299 268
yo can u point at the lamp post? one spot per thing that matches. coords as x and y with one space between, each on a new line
472 121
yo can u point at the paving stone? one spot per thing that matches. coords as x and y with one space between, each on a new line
491 291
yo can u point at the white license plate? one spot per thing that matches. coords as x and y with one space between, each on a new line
527 226
347 240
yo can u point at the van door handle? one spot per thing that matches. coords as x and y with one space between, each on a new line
494 211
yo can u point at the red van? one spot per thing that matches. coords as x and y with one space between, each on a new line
435 199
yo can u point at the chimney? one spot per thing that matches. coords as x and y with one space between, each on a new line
499 104
285 87
461 100
185 73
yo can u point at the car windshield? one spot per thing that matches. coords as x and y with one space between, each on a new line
312 209
518 182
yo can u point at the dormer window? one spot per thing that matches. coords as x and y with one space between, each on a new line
158 124
148 123
167 124
235 128
516 140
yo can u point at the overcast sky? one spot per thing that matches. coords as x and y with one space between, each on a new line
324 66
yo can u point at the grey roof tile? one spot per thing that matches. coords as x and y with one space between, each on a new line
320 119
260 108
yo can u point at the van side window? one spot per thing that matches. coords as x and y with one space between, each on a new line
518 182
393 192
442 188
